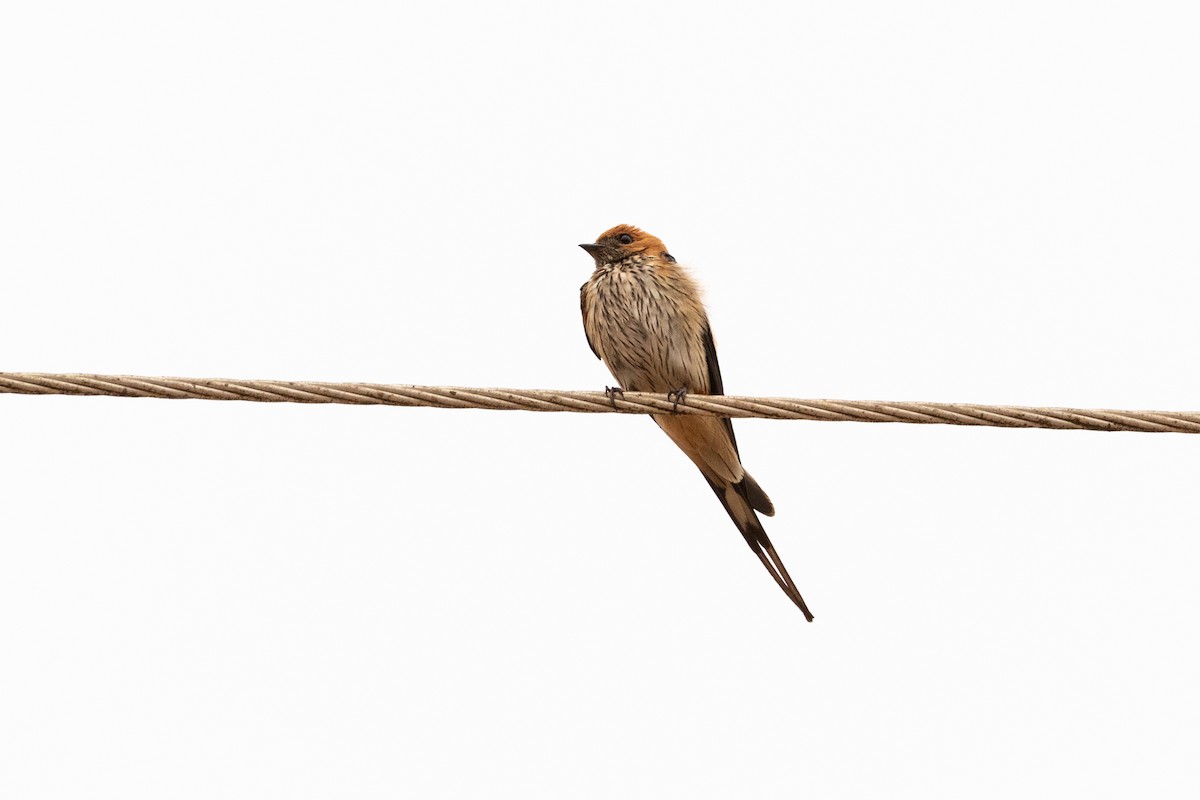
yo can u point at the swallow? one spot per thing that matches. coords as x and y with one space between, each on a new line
644 318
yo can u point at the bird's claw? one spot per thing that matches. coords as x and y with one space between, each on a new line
677 396
611 392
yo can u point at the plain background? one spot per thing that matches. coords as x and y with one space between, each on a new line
885 201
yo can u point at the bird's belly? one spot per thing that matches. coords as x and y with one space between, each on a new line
646 344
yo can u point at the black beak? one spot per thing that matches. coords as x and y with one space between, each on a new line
599 253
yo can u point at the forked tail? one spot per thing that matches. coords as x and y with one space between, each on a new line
741 511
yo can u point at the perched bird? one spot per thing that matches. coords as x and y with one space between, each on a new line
644 319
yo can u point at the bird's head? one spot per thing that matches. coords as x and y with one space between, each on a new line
625 241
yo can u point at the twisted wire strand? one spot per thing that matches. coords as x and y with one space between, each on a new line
266 391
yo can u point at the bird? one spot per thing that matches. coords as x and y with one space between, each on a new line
644 318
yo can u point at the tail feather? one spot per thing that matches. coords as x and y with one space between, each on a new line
741 510
755 496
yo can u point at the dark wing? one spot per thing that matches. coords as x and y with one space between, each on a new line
583 309
747 487
715 386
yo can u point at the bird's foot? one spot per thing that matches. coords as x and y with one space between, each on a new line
676 397
611 392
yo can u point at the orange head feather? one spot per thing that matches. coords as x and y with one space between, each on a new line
626 241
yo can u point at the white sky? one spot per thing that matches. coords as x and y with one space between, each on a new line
884 201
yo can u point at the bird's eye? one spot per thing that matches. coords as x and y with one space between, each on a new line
625 238
668 258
